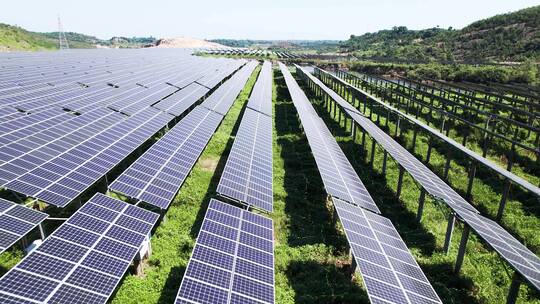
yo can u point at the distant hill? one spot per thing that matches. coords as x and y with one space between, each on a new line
14 38
508 37
186 42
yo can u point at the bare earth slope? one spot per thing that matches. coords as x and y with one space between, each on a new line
186 42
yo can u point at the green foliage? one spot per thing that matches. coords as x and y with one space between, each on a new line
528 72
13 38
509 37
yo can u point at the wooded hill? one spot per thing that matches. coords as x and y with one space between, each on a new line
502 38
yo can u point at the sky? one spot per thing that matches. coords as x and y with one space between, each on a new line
242 19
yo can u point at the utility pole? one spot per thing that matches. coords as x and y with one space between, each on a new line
62 40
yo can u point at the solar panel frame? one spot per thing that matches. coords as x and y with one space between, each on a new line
211 275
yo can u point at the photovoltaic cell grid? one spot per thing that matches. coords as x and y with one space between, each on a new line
515 253
233 259
179 102
261 96
247 176
339 178
433 184
84 259
389 271
423 175
62 179
16 221
157 175
516 179
520 257
223 97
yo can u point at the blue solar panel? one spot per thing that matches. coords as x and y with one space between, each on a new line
16 221
229 263
247 176
85 258
158 174
338 175
389 271
224 96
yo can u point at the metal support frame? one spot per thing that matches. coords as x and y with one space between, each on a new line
449 232
385 157
472 173
400 181
462 247
421 202
504 198
513 291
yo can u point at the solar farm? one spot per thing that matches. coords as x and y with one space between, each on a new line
162 176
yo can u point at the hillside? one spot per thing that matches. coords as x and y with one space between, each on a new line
507 37
14 38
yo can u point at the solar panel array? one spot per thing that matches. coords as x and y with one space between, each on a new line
519 256
390 272
247 176
422 174
338 175
68 120
16 221
233 259
84 259
261 97
183 100
222 99
486 162
157 175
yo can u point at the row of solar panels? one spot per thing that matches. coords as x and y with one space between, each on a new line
253 52
511 250
473 155
389 271
233 258
84 259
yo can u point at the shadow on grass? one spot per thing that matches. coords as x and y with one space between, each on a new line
170 289
305 202
324 283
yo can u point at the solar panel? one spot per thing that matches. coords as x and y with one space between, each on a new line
247 176
223 97
63 178
179 102
84 259
16 221
158 174
339 177
261 96
389 271
433 184
233 259
520 257
422 174
507 174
